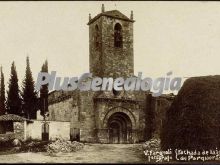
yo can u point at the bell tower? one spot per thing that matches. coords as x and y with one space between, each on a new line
111 44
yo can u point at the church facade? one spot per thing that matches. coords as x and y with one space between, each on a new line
110 116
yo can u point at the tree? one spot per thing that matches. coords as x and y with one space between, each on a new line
44 93
192 122
2 94
29 95
13 100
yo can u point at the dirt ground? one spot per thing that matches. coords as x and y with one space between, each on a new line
91 153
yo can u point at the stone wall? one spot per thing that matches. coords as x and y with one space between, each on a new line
161 105
62 111
63 106
75 107
34 130
156 108
57 129
86 116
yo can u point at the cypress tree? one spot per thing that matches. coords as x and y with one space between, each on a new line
2 94
13 100
29 95
44 92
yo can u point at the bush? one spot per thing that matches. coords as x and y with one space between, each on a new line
34 146
193 122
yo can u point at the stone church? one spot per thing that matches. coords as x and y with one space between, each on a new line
110 116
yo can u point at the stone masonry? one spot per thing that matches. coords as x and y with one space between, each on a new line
109 116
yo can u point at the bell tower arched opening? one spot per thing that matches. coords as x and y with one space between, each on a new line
118 36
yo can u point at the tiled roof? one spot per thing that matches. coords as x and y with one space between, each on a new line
11 117
113 13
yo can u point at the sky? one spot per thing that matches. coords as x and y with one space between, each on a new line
182 37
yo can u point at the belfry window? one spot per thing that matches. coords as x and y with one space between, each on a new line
118 36
97 37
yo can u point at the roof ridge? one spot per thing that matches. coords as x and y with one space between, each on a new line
111 13
12 117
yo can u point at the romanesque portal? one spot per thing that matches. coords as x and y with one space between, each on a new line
120 128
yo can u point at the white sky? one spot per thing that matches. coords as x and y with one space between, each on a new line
183 37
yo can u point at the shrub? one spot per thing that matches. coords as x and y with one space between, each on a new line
193 122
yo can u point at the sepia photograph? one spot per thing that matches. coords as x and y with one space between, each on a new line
120 82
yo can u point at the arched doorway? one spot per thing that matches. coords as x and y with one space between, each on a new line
120 128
